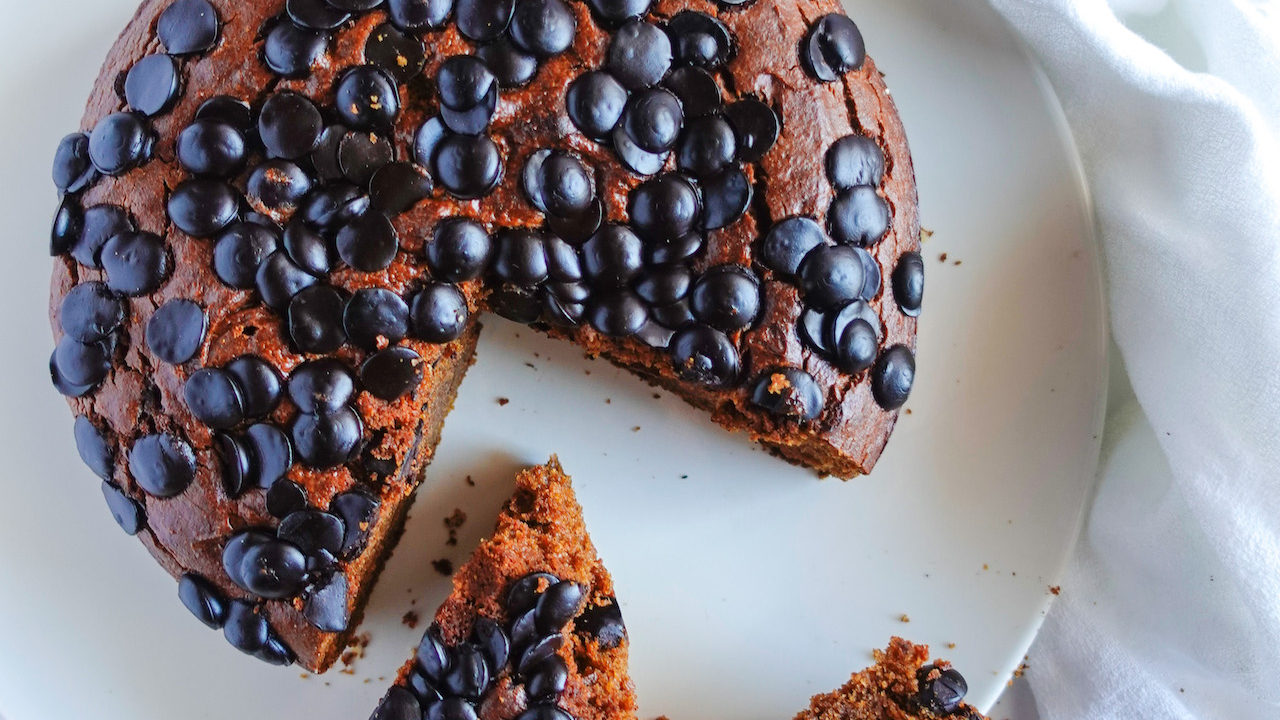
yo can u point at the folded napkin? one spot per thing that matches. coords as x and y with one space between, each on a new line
1171 605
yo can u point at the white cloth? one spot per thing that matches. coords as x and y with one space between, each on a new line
1171 605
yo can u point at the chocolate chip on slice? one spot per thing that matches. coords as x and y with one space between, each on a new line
908 283
699 39
636 158
273 452
362 154
259 384
664 208
312 530
314 319
392 373
375 317
423 688
83 363
788 242
321 386
330 206
513 67
400 55
433 656
831 276
639 54
358 511
595 102
235 549
483 20
832 47
697 91
516 303
604 623
246 627
664 284
548 680
202 207
228 110
90 312
188 26
276 188
559 184
789 393
839 320
941 689
563 263
524 593
316 14
892 377
289 125
98 224
417 15
666 252
325 441
202 599
558 605
398 186
162 465
854 160
473 120
291 51
539 652
619 313
211 147
284 497
427 141
492 641
326 605
725 198
438 313
812 329
705 355
308 248
468 167
858 216
544 712
273 569
368 243
62 384
152 85
236 461
521 257
857 347
871 275
757 127
278 279
367 98
127 512
275 652
469 676
578 228
614 12
93 449
73 171
397 704
119 143
240 251
136 263
459 250
176 331
542 27
213 397
453 708
707 147
68 224
726 297
612 257
653 119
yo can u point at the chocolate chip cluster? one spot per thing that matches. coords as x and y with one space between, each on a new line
454 682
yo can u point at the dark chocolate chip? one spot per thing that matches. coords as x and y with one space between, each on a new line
99 224
673 316
832 47
653 119
398 186
612 257
62 384
273 569
308 248
453 708
433 656
725 198
509 64
289 125
188 26
227 109
558 184
460 250
119 143
473 120
813 331
544 712
202 599
665 252
941 690
162 464
705 355
316 14
419 14
367 98
469 676
707 146
595 102
214 398
259 384
789 393
285 496
272 451
517 304
577 229
73 171
665 208
397 704
619 313
614 12
83 363
542 28
539 652
831 276
246 628
558 605
788 242
400 55
697 90
636 158
68 226
639 54
757 127
892 377
368 243
291 51
423 688
137 263
275 652
315 319
321 386
374 317
326 605
548 680
176 331
325 441
483 20
152 85
362 154
203 207
278 279
727 297
839 320
521 257
93 448
524 593
313 530
330 206
236 460
604 623
210 147
240 251
856 350
493 642
870 275
438 313
855 160
235 549
392 373
699 39
127 512
90 312
277 187
467 166
859 217
664 285
358 511
908 283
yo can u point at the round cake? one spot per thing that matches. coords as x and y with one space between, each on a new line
280 220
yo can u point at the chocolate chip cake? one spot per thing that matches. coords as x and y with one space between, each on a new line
532 629
280 220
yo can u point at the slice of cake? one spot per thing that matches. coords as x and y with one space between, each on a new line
902 685
532 629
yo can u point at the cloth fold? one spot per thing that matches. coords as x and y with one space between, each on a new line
1171 604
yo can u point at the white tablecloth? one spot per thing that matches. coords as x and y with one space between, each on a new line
1171 607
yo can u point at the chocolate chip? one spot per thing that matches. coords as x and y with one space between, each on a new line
62 384
392 373
284 497
707 147
398 186
235 549
941 690
548 680
273 569
427 141
438 313
757 127
579 228
664 285
892 377
433 656
604 623
726 297
152 85
613 12
210 147
704 355
202 207
259 384
558 183
326 605
368 243
453 708
542 28
423 688
855 160
558 605
665 208
831 276
517 304
188 26
789 393
136 263
375 316
699 39
277 187
468 167
595 101
176 331
90 312
68 225
521 257
312 530
839 320
228 110
279 279
73 171
419 14
400 55
665 252
246 628
492 641
639 55
309 249
119 143
272 451
832 47
540 652
325 441
315 320
483 20
367 98
127 512
362 154
788 242
858 216
162 465
653 119
202 599
512 67
83 363
358 512
291 51
93 448
871 275
469 675
725 198
856 350
316 14
98 225
524 593
619 313
473 120
289 125
544 712
696 89
563 263
213 397
813 331
240 251
459 250
321 386
331 206
397 704
275 652
524 632
612 257
908 283
636 158
236 461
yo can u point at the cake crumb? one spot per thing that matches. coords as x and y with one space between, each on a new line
503 400
951 646
985 566
1055 589
531 366
410 619
907 411
471 481
608 401
957 262
942 257
925 234
444 566
904 618
304 676
656 396
635 428
452 523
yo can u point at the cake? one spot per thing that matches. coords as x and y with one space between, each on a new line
532 629
279 221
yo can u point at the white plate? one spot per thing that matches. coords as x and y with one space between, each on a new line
747 584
